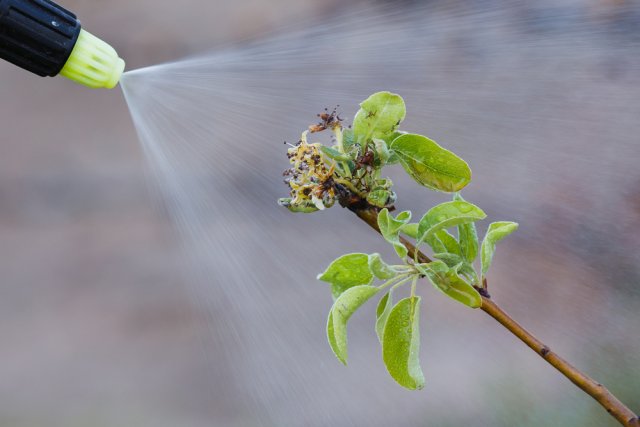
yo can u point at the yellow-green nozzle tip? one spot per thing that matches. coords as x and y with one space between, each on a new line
93 63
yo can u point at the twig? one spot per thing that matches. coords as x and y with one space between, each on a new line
600 393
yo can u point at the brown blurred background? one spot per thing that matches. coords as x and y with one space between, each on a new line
98 328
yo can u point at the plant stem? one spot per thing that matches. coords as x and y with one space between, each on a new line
340 142
594 389
395 279
600 393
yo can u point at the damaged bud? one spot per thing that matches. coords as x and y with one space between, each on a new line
328 120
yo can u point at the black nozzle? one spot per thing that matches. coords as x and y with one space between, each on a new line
37 35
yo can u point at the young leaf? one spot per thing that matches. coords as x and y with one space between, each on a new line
496 232
347 138
468 271
468 237
380 198
334 154
459 265
380 269
382 150
410 230
382 313
390 229
449 242
379 116
430 164
434 267
306 207
393 157
346 272
451 260
342 309
447 215
436 245
401 344
443 242
449 283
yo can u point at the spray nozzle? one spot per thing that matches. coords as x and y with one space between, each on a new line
93 63
46 39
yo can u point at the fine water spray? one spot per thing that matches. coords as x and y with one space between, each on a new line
48 40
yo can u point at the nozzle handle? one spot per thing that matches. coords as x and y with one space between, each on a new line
37 35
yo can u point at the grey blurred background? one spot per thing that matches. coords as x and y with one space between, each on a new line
98 322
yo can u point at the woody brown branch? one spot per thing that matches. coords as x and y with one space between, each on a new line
597 391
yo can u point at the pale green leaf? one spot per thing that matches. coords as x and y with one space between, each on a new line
442 241
379 116
346 272
468 237
382 151
348 139
393 157
342 309
449 242
410 230
382 313
430 164
434 267
334 154
449 283
448 258
459 265
435 243
306 207
390 229
496 232
380 198
401 344
380 269
445 215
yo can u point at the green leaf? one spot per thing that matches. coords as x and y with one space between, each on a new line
496 232
468 237
331 335
450 243
379 116
435 243
334 154
430 164
443 241
451 260
434 267
382 313
459 265
445 215
346 272
410 230
306 207
381 198
382 151
393 157
469 272
342 309
347 138
401 344
380 269
390 229
448 282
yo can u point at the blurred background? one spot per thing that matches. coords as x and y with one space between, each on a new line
111 314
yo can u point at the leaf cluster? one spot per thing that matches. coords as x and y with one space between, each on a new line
350 171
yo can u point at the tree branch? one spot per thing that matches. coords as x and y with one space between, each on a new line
601 394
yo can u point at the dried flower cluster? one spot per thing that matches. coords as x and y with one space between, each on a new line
310 179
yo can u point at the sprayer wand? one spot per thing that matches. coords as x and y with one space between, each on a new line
46 39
